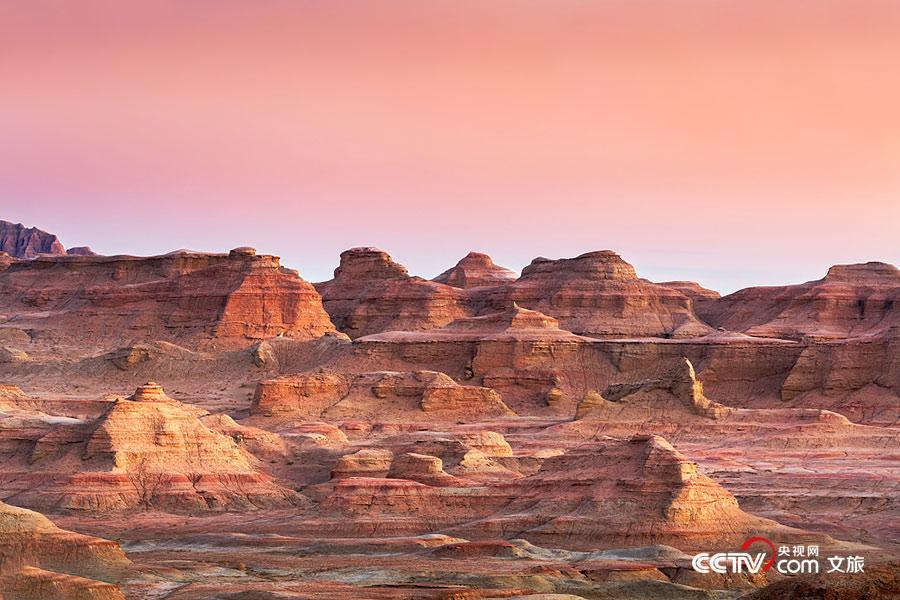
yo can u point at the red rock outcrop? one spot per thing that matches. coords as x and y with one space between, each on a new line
28 242
850 301
28 539
422 468
306 395
148 451
367 462
182 296
476 456
11 397
476 270
381 395
81 251
599 294
607 493
698 294
620 493
36 584
371 293
679 384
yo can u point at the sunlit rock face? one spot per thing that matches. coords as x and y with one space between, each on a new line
184 297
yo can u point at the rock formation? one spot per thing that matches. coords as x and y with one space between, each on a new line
28 242
147 451
592 496
851 300
382 394
184 296
80 251
41 561
479 437
599 294
633 491
371 293
699 295
680 382
475 270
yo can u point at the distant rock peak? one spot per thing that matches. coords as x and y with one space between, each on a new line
80 251
476 269
28 242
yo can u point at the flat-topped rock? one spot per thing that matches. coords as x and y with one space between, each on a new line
369 263
599 294
599 264
371 293
850 301
80 251
150 392
874 272
183 297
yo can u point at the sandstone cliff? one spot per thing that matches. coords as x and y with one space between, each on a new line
147 451
183 296
67 562
28 242
371 293
850 301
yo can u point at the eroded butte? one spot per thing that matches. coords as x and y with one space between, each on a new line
198 426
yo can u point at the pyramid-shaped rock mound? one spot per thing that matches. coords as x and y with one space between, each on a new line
851 300
371 293
147 451
181 297
475 270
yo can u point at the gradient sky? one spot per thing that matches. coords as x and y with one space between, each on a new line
732 142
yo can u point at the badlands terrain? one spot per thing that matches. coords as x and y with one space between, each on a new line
196 426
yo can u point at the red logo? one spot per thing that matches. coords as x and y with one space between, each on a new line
754 540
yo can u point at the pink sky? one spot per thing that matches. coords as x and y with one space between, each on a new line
733 142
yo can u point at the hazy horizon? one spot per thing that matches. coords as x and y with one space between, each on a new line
729 143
